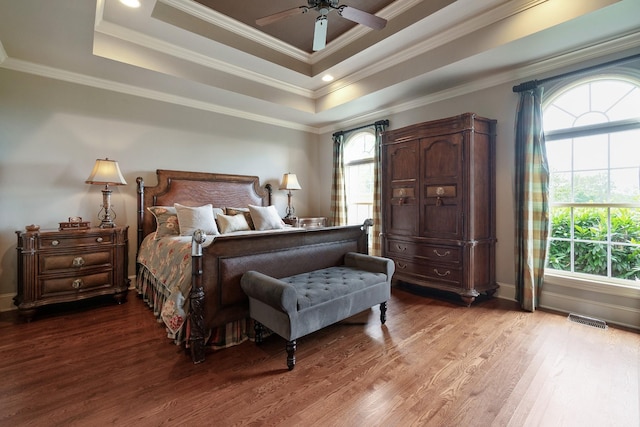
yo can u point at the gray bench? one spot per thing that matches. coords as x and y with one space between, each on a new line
298 305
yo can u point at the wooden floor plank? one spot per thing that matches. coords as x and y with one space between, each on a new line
435 362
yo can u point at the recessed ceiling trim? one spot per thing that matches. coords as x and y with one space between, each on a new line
117 31
82 79
215 18
539 68
459 29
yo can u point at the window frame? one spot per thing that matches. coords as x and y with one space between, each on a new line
576 280
359 162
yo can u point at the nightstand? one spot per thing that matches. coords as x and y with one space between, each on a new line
310 222
70 265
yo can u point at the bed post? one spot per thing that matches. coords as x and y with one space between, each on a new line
140 183
196 299
269 188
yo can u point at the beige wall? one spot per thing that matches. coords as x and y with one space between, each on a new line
51 132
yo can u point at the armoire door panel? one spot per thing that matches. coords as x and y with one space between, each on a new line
442 158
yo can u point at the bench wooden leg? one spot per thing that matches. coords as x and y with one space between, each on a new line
259 329
383 312
291 354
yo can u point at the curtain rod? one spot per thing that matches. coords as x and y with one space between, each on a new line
532 84
378 123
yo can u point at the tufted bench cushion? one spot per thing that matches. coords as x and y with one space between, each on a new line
298 305
316 287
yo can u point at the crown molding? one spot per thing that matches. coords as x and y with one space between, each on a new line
610 47
122 33
461 28
82 79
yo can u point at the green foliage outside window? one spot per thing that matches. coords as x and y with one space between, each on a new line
590 241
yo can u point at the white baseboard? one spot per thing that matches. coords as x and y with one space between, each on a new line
627 316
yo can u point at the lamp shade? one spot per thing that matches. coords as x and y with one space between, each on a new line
290 182
106 172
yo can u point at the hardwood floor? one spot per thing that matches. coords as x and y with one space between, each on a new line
434 363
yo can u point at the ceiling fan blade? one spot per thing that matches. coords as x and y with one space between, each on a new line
281 15
320 33
361 17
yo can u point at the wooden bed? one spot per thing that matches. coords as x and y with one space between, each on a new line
216 299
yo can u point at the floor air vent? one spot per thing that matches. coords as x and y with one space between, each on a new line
589 321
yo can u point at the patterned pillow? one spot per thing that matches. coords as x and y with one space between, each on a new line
244 211
193 218
166 221
229 223
265 217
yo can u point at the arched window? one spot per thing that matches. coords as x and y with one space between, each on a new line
592 133
358 170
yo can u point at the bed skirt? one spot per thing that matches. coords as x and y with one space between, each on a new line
155 294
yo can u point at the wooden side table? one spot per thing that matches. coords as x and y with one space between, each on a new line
307 222
70 265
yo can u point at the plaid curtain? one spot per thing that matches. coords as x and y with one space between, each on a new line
338 191
376 230
532 200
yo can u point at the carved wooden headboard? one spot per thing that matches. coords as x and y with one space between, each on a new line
196 189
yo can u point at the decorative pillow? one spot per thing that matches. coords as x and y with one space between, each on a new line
229 223
193 218
166 221
245 212
265 217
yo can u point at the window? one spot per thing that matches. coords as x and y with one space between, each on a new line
358 170
592 132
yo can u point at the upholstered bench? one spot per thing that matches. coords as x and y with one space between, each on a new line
298 305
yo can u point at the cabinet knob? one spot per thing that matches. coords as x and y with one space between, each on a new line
99 239
78 261
446 253
401 248
402 265
55 242
77 283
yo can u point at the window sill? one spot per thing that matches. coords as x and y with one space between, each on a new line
592 285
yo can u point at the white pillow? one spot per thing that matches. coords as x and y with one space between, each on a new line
193 218
265 217
229 223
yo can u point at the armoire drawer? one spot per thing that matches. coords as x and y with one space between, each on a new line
437 272
438 253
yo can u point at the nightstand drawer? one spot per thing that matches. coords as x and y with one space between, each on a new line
52 263
50 242
316 222
76 283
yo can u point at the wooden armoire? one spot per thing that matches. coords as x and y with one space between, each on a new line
438 204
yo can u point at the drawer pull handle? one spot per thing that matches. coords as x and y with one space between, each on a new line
78 261
447 253
401 265
401 248
446 273
77 283
99 239
55 242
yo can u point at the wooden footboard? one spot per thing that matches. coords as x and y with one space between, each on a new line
216 296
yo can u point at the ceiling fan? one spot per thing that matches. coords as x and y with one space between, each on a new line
324 7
